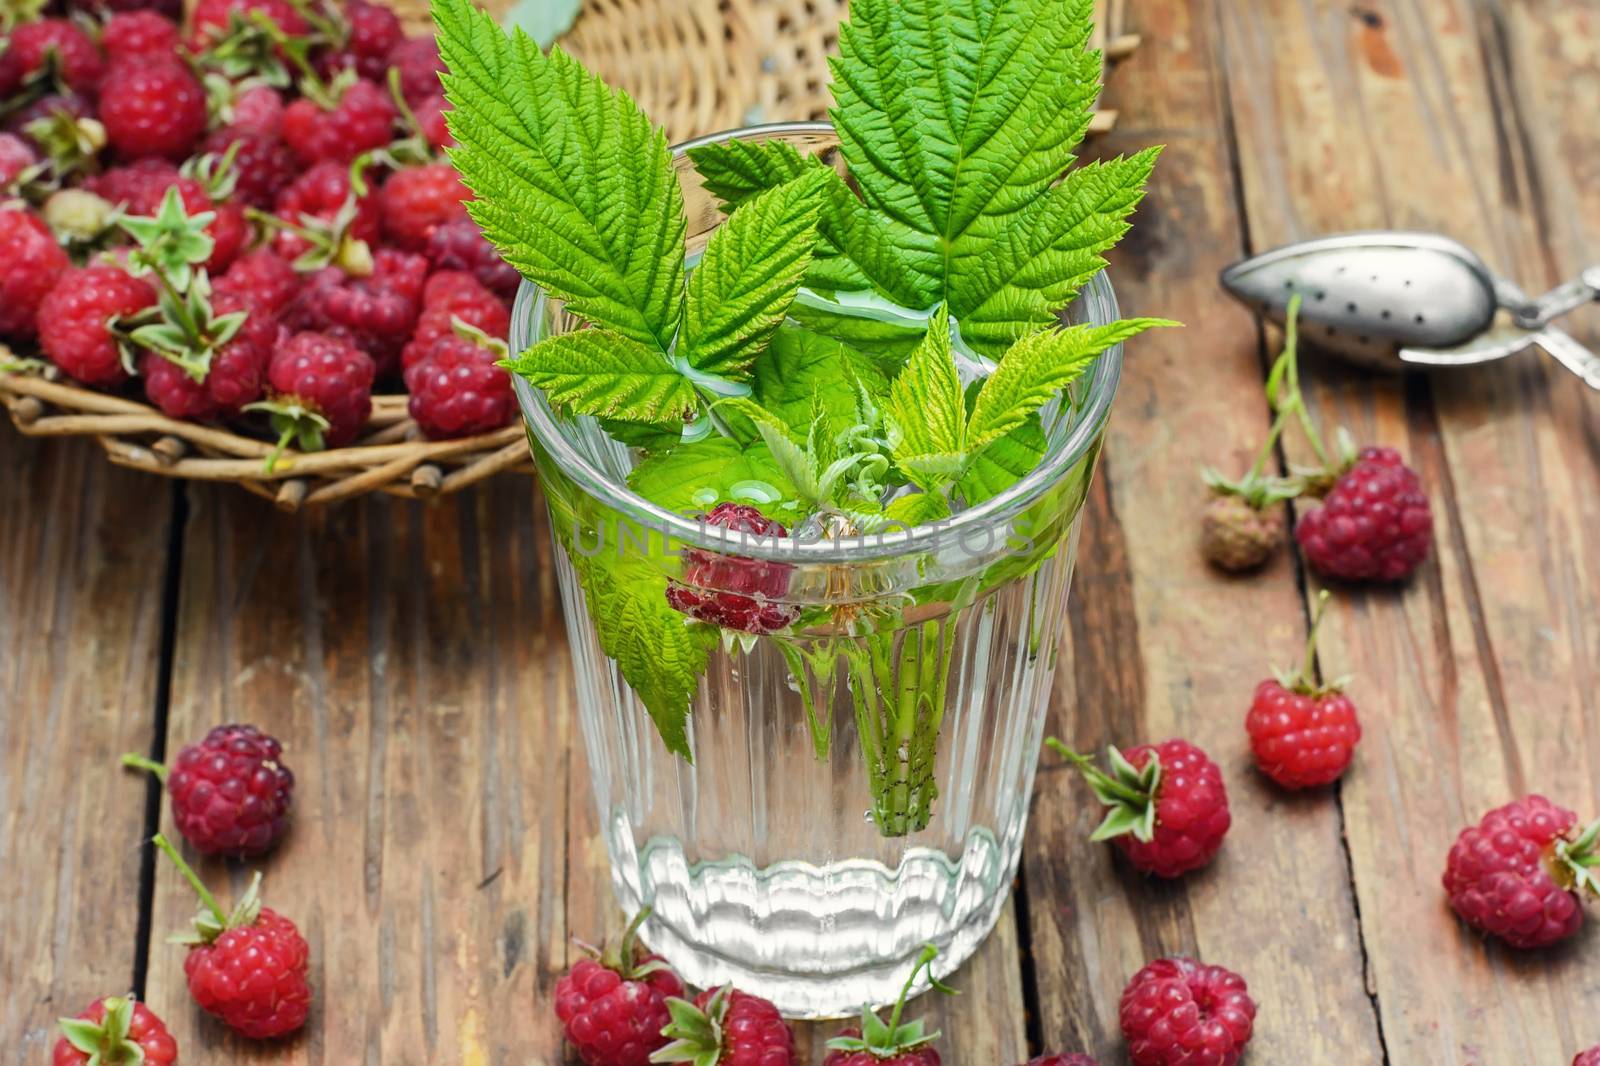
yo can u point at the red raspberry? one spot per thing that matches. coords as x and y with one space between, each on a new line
73 322
376 312
139 34
452 295
235 378
78 60
262 164
211 18
168 9
111 1030
1303 733
230 792
614 1007
894 1043
360 120
1176 1012
1588 1058
261 280
153 107
417 59
259 109
1168 805
317 197
461 245
733 591
16 157
1076 1059
374 31
458 391
31 264
1302 739
1374 525
321 375
418 200
140 187
729 1028
1515 874
430 112
247 967
253 978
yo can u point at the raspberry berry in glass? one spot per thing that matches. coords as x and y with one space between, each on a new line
1177 1012
1519 873
247 967
230 792
726 1027
733 591
1303 732
874 1042
1167 804
114 1031
1588 1058
613 1004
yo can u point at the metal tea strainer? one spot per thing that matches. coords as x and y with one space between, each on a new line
1395 300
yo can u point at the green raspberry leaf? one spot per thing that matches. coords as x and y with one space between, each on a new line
956 114
1036 368
660 653
749 275
693 478
606 374
571 181
800 367
1004 462
924 407
857 248
1022 278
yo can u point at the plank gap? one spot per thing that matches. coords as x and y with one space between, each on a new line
1032 1018
166 653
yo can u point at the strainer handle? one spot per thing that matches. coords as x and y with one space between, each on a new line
1536 314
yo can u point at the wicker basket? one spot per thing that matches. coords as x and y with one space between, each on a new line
696 66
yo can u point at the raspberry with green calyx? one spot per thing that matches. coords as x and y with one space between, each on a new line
726 1027
1168 807
114 1031
1303 732
612 1004
247 967
895 1043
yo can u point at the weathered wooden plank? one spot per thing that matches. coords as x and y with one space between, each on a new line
411 659
1464 118
83 557
1162 646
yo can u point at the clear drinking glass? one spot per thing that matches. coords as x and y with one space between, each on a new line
858 788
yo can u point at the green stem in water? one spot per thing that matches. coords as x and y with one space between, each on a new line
193 878
139 762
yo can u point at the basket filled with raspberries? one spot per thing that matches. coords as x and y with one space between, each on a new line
232 248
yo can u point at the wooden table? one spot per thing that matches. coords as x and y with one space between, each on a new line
414 658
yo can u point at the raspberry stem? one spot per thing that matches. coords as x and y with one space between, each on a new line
193 878
1310 662
139 762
